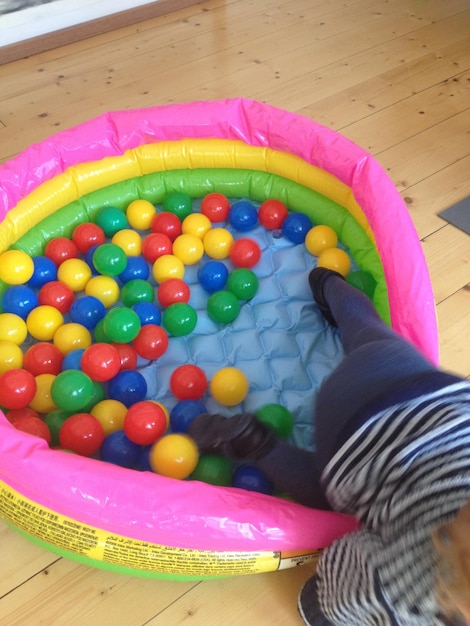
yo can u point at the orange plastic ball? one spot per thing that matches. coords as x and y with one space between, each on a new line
335 259
175 455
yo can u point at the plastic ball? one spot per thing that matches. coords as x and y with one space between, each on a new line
121 325
218 243
156 245
223 307
109 259
75 273
87 235
145 422
101 361
111 220
43 358
60 249
296 226
320 238
179 203
81 433
33 426
272 214
43 401
148 313
98 395
335 259
110 414
104 288
188 382
99 335
278 418
54 421
12 328
43 322
173 290
45 270
251 478
136 269
245 252
179 319
213 470
118 449
174 455
88 258
128 387
72 336
243 283
140 214
11 356
151 342
229 386
72 390
364 281
87 311
196 224
212 276
188 248
56 294
20 300
243 216
73 360
127 355
26 411
216 207
17 388
167 266
184 412
16 267
166 223
135 291
129 241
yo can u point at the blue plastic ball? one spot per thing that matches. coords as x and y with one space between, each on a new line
87 311
45 271
88 258
148 313
243 216
137 268
128 387
296 227
117 448
251 478
20 300
183 413
212 276
73 360
143 464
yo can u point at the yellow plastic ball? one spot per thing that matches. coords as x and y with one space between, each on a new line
188 248
167 266
335 259
196 224
110 414
129 241
75 273
44 321
217 243
72 336
320 238
229 386
12 328
16 267
11 356
175 456
140 214
105 288
42 401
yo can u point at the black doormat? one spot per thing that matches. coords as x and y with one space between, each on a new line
458 215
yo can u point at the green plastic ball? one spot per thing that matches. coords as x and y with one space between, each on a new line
121 325
223 307
179 319
54 421
243 283
137 290
214 470
109 259
111 220
278 418
72 390
179 203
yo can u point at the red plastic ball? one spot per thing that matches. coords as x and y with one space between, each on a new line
156 245
151 342
17 388
57 294
87 235
245 252
127 356
101 361
145 422
166 223
188 382
173 290
14 414
81 433
60 249
34 426
272 214
216 207
43 358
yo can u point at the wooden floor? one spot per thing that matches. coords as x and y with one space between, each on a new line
392 75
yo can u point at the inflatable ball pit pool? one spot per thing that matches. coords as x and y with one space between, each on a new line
142 523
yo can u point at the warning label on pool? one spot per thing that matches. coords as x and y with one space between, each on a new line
85 541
